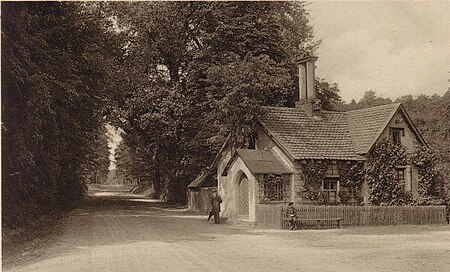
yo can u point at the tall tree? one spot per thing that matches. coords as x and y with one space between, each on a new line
328 94
197 71
52 66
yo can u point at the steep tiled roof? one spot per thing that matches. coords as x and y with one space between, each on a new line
366 125
198 181
258 161
306 137
262 162
205 179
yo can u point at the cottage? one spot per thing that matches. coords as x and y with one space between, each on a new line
293 143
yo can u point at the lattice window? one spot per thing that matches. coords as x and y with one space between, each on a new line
272 187
274 191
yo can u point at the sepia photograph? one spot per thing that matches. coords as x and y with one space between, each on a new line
225 136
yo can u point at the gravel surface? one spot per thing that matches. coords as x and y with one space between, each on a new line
118 231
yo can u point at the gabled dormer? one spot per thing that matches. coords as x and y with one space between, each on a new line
390 122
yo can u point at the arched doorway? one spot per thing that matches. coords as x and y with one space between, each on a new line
242 201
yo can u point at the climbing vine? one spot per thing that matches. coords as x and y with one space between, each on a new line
313 173
351 177
431 182
384 186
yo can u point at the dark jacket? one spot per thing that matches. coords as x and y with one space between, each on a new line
291 212
215 203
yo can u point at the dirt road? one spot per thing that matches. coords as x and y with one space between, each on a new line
116 231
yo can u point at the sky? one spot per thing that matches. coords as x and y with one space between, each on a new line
114 139
392 48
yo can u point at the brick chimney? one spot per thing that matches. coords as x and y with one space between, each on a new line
307 85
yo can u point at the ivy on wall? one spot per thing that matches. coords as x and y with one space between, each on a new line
386 189
351 177
384 186
431 182
313 173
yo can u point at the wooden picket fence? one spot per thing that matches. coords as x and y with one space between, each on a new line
271 216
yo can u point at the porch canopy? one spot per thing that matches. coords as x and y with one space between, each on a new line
258 162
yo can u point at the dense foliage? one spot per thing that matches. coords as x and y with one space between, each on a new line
431 181
386 189
429 113
351 177
95 167
196 72
51 92
384 186
313 174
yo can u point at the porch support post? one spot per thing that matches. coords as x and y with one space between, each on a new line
252 185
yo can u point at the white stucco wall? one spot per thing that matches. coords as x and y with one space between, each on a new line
222 182
409 141
228 185
228 191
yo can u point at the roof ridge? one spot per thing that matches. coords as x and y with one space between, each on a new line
276 107
379 106
300 109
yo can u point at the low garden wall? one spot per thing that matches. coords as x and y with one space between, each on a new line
271 216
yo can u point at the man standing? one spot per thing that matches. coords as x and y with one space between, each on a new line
292 215
215 206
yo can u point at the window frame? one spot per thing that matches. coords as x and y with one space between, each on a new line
331 194
331 175
279 187
273 189
397 134
399 170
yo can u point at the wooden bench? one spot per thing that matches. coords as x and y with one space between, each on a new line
313 220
